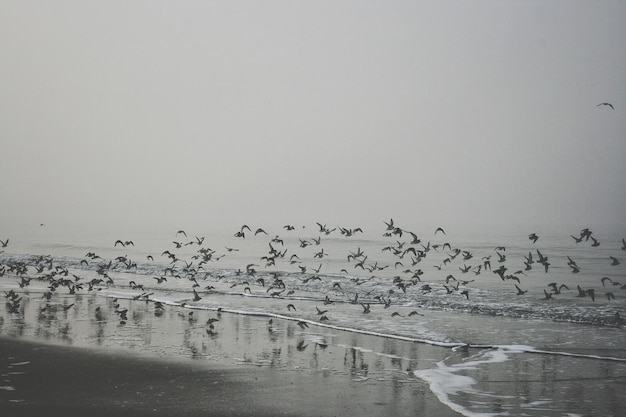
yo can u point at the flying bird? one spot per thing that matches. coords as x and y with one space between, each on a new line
606 104
520 291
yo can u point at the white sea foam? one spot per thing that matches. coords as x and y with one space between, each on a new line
446 381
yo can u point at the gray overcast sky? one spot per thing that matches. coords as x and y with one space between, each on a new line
204 113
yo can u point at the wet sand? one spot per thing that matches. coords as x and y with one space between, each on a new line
46 379
82 360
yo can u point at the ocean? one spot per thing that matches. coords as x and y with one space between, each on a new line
492 324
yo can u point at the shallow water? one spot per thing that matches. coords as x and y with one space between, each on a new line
526 355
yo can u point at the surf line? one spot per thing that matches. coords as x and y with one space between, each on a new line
452 345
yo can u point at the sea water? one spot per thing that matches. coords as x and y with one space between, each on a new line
491 350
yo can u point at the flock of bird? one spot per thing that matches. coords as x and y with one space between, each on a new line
287 272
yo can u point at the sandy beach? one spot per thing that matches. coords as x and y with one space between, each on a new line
176 368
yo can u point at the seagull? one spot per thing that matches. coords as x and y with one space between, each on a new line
439 229
533 237
614 261
5 243
606 104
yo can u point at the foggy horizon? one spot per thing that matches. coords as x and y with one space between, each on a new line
209 115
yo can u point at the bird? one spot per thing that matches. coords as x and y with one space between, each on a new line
440 229
533 237
606 104
389 224
5 243
520 291
577 239
614 260
366 308
320 312
591 293
290 306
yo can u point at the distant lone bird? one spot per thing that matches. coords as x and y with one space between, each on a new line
606 104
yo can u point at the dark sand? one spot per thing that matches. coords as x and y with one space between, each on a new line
50 380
